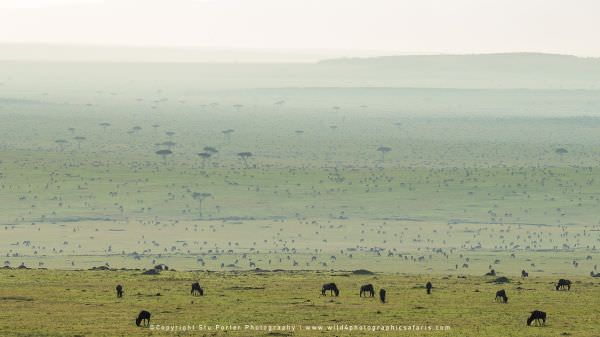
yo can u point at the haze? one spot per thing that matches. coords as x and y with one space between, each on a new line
323 27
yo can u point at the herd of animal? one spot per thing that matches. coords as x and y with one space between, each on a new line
368 290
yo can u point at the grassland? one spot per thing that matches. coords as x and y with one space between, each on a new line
468 185
471 189
83 303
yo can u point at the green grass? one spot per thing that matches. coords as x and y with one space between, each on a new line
71 303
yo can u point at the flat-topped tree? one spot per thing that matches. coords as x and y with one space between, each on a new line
170 134
169 144
79 139
213 151
61 143
164 154
200 196
237 107
383 150
227 134
155 127
561 151
244 156
104 126
205 157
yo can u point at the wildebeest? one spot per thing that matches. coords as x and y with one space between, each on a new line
367 288
119 290
144 316
161 266
428 286
524 274
333 289
196 289
382 295
562 284
501 295
491 273
537 315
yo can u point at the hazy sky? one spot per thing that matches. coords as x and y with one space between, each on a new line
392 26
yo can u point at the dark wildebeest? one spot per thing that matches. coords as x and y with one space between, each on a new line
196 290
119 290
144 316
382 295
537 315
367 288
333 289
428 286
491 273
562 284
524 274
501 295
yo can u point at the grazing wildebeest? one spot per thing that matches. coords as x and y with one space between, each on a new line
382 295
196 290
501 295
333 289
367 288
537 315
562 284
524 274
119 290
428 286
144 316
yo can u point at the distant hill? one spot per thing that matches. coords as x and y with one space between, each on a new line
481 59
508 70
485 71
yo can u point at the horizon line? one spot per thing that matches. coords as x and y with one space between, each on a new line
246 54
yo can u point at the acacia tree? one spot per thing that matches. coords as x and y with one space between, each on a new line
244 156
200 196
205 157
79 139
561 151
383 150
164 154
61 143
227 134
104 125
237 107
213 151
169 144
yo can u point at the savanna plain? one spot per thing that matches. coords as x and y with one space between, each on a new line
263 193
